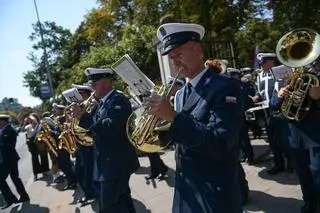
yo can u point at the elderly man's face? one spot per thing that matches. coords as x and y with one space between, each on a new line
268 64
101 87
184 58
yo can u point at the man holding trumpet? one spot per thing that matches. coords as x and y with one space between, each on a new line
114 157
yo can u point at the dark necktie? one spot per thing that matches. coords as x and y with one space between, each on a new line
187 92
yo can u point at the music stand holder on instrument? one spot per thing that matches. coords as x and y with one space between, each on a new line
130 73
72 95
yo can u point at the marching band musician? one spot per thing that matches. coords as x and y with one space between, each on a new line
31 127
63 158
205 126
245 144
265 80
251 89
304 142
114 157
156 164
84 158
9 164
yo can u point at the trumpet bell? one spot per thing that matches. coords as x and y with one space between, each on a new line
298 48
143 136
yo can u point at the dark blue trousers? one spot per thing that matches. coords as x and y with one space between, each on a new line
115 197
84 173
65 165
307 165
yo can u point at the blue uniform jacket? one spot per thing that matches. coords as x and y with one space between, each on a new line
114 157
247 91
8 140
206 132
305 130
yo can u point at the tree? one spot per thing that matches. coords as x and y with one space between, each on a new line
55 40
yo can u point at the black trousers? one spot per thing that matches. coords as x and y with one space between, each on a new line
156 164
84 174
11 168
65 164
307 166
245 144
278 139
115 197
38 165
244 187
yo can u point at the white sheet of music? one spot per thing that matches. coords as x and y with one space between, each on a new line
72 95
138 82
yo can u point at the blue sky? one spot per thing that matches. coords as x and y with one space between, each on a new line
16 17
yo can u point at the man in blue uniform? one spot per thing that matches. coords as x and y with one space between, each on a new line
205 126
266 82
265 79
114 157
248 101
304 141
84 158
9 164
250 88
63 158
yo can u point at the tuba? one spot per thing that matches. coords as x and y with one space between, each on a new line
297 49
147 132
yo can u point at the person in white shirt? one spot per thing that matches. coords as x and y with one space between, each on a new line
39 157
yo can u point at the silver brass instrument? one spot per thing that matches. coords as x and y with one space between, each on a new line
297 49
144 129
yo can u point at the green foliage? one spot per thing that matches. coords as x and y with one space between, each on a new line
118 27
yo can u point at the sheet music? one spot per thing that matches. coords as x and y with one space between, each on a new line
139 83
282 73
72 95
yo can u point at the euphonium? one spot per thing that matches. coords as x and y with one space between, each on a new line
144 129
297 49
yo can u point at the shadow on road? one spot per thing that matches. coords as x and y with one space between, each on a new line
169 177
29 208
286 178
261 201
140 207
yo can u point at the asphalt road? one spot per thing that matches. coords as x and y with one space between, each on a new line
25 168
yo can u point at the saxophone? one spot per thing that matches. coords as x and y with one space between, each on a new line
297 49
45 135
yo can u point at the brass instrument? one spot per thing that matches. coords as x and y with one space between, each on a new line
45 136
297 49
72 133
80 134
144 129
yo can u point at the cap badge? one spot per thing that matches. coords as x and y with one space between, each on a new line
163 31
